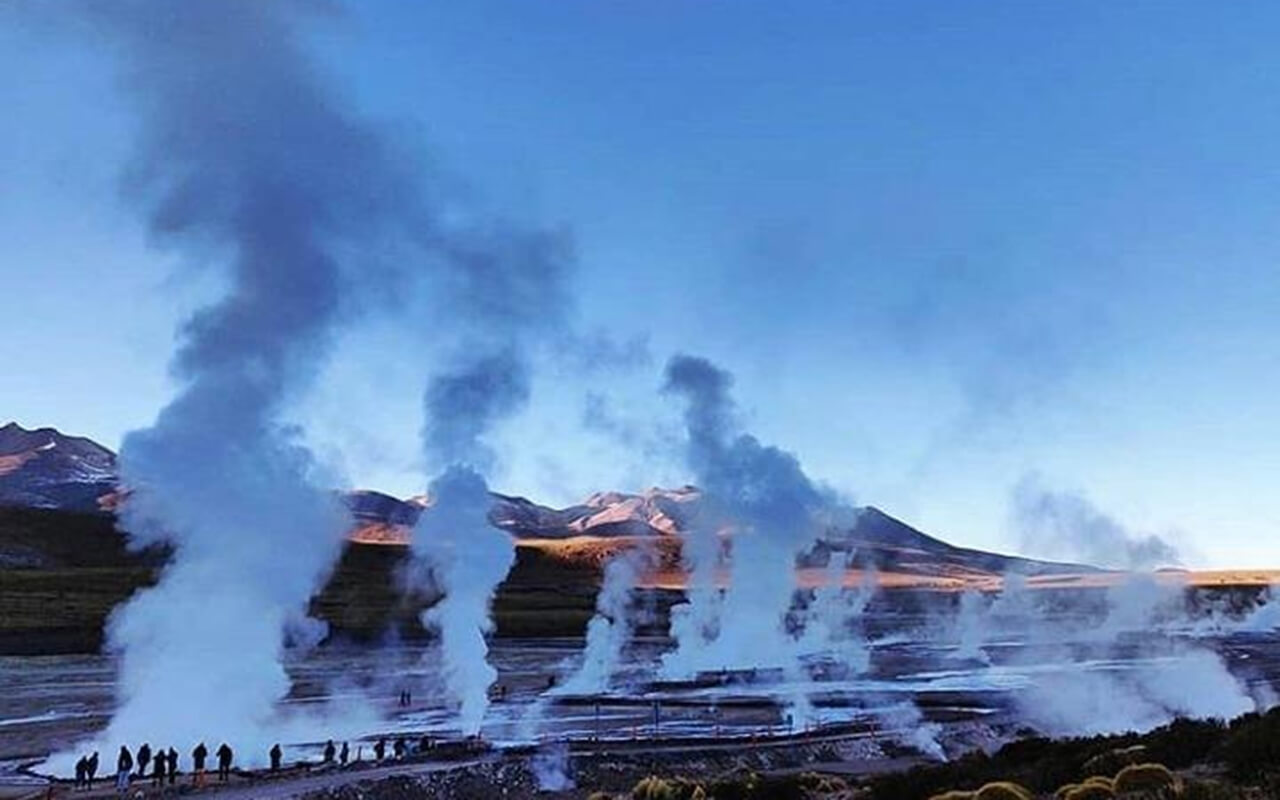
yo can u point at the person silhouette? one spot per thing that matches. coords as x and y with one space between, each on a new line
160 763
144 759
124 767
198 756
225 757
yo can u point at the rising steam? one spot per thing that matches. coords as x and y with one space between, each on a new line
610 629
246 160
773 509
512 296
773 513
249 160
1066 525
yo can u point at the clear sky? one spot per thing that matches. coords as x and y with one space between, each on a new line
942 245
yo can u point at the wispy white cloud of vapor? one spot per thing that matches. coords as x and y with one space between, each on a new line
612 626
511 295
769 512
1104 660
773 509
247 162
468 558
1066 525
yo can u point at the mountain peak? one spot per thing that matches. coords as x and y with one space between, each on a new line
47 469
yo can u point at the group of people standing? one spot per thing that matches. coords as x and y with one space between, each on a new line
160 765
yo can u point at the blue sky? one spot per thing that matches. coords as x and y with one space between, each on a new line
941 246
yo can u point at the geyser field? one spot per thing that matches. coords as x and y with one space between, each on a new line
869 669
341 313
671 628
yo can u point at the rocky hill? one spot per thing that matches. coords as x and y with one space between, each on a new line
43 468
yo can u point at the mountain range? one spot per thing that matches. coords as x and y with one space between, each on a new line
44 468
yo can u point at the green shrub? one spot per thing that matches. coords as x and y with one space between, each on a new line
752 786
1252 745
738 785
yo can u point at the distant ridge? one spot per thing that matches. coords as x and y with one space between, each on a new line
45 468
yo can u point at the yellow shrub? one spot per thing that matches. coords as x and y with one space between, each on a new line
1112 761
1002 790
820 784
1149 778
1098 781
1090 791
654 788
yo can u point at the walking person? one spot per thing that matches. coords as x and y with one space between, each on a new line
225 757
82 769
276 754
91 770
124 768
344 754
198 757
329 752
173 766
380 749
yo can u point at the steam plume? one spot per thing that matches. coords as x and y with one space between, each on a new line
1066 525
249 161
1107 672
468 558
773 508
513 295
610 629
461 406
